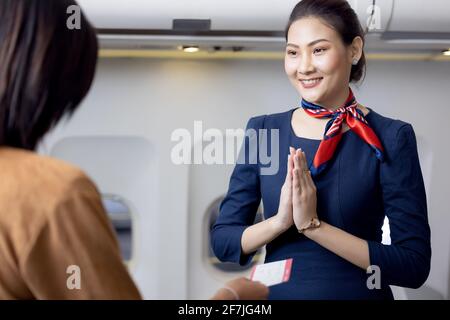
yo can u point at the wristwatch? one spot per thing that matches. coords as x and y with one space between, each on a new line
313 223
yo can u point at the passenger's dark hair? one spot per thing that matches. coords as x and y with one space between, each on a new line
46 68
341 17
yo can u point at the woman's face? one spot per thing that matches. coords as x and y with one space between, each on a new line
318 63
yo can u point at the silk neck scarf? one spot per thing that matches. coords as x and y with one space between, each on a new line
354 118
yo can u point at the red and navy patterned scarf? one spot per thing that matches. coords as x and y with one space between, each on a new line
333 131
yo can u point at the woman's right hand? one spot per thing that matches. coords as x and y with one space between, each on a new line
261 233
242 289
284 217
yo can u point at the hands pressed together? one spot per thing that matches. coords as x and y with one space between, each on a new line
298 199
298 205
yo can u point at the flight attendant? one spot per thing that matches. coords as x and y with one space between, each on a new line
346 168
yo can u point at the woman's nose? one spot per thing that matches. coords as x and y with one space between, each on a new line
305 66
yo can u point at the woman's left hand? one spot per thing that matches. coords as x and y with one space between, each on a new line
304 197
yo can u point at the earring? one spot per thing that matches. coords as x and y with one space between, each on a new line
355 62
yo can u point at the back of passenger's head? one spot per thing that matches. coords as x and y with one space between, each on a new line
46 67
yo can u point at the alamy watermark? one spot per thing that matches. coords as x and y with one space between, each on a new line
212 147
374 280
374 19
74 20
74 279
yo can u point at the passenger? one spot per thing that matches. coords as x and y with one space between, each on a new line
52 220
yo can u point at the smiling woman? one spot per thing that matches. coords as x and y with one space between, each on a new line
324 54
325 207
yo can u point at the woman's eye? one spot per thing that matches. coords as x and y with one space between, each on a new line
319 50
291 52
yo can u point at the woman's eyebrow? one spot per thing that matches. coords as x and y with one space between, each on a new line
309 44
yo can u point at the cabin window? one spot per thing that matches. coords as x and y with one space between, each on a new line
121 218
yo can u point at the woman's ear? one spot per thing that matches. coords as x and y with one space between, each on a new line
355 50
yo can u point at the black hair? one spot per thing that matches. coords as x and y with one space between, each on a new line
47 68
